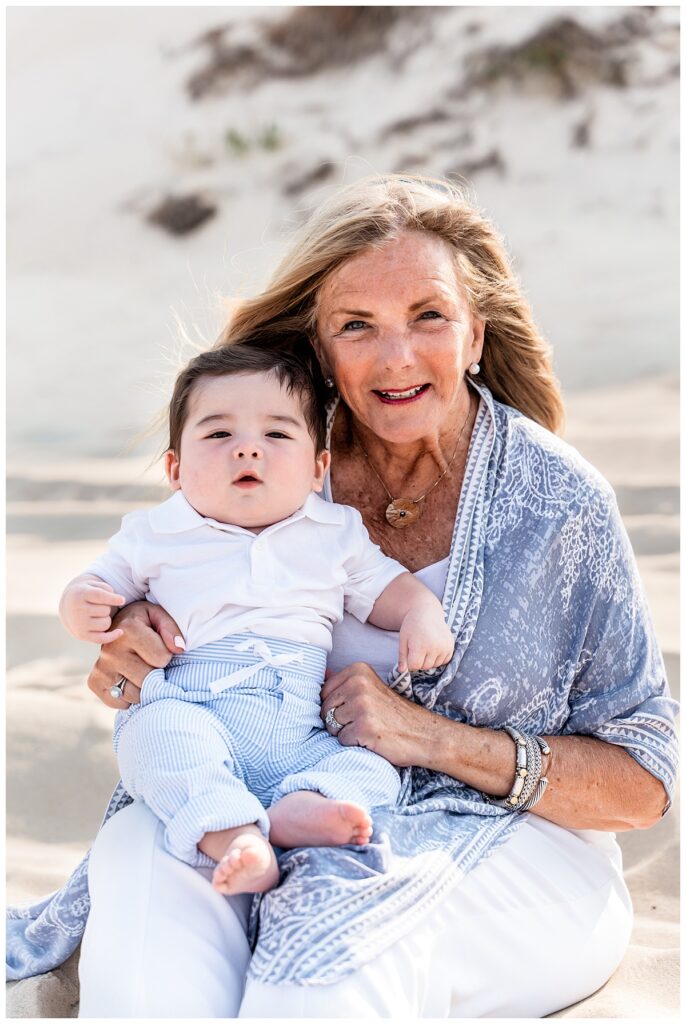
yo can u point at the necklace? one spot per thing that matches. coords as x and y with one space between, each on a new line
403 512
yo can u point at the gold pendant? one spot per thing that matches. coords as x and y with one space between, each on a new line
403 512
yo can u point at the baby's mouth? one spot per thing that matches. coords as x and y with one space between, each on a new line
247 481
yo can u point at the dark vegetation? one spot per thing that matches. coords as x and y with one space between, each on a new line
491 161
305 41
316 176
564 55
180 214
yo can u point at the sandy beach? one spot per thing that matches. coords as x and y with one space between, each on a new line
580 173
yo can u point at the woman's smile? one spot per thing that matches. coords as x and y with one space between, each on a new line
397 397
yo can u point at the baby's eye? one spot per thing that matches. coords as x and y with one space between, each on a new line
277 434
219 433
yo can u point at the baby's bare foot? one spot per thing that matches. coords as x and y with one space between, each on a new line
310 819
249 865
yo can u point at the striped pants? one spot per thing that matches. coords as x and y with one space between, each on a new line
225 731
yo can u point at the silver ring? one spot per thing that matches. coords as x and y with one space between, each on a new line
117 691
332 720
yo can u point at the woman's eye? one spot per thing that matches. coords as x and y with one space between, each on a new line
219 433
430 314
354 325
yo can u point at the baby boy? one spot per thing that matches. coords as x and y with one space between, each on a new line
255 568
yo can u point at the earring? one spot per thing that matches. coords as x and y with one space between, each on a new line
474 369
329 382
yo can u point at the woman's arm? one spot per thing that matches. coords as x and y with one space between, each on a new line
591 784
148 642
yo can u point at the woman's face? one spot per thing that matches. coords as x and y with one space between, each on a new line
396 332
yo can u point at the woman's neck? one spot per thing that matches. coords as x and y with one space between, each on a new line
413 465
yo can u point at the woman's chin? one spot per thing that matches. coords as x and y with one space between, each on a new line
404 427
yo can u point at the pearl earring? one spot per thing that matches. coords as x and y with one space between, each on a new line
474 369
329 382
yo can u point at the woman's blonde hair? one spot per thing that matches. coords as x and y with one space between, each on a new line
516 362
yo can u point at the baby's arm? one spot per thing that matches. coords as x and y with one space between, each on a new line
114 579
86 609
407 605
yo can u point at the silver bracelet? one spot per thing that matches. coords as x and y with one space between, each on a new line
529 784
540 787
534 767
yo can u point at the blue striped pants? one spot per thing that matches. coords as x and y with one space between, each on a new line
221 734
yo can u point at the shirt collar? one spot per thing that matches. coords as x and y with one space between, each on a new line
177 515
322 511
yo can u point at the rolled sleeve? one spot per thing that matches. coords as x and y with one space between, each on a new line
117 566
621 693
369 571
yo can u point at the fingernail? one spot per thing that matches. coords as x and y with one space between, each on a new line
180 642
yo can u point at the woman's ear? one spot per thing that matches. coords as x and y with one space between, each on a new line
172 465
321 357
477 346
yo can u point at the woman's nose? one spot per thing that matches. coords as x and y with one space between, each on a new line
397 350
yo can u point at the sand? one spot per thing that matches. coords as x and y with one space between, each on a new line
91 333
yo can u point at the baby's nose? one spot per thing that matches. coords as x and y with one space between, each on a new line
247 449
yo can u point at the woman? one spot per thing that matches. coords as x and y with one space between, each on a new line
461 905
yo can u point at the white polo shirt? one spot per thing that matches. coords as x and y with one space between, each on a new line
292 580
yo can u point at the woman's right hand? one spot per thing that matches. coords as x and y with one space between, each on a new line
148 642
374 716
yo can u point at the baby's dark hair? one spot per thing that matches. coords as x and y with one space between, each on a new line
298 373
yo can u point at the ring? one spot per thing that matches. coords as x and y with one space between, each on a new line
117 691
332 720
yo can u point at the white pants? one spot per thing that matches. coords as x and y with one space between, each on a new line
540 924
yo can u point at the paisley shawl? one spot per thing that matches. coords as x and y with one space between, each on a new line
552 635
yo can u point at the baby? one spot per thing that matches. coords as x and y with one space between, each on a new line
255 568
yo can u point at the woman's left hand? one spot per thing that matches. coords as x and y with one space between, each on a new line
374 716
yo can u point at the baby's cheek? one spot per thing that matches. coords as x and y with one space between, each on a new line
199 487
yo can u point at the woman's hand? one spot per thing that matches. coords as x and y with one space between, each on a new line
374 716
148 641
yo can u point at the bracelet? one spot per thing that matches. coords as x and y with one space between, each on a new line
529 783
534 768
540 787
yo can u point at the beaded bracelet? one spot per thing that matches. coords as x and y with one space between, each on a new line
529 784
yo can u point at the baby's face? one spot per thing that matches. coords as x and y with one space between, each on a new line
246 457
